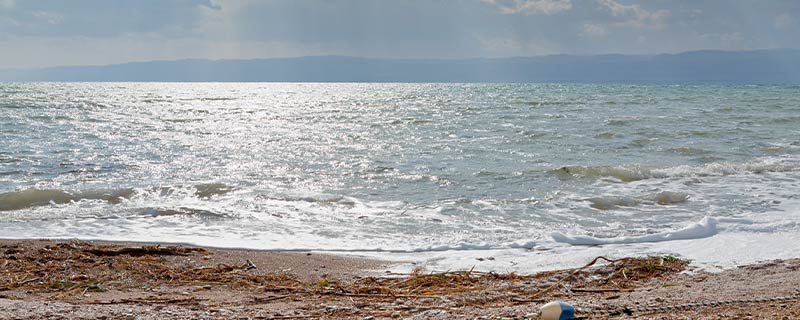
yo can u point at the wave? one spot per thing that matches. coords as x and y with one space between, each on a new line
688 151
630 173
9 173
320 198
440 248
669 197
703 229
208 190
612 202
8 159
41 197
184 211
623 173
218 99
553 103
34 197
661 198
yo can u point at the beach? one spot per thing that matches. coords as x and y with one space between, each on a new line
74 279
444 170
393 200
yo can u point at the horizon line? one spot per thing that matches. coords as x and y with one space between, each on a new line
393 59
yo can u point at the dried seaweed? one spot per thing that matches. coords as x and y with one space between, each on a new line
68 268
146 250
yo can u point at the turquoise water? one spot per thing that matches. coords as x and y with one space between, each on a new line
399 167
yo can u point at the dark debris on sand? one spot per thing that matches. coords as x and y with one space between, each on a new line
67 271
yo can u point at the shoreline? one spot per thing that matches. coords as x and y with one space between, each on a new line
304 263
57 279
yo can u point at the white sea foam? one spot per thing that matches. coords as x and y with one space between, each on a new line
703 229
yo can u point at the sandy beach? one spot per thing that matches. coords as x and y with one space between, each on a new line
46 279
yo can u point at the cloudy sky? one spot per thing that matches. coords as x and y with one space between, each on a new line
36 33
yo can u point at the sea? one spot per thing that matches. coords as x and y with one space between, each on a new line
497 177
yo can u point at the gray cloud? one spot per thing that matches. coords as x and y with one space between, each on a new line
595 30
52 32
636 16
785 21
531 6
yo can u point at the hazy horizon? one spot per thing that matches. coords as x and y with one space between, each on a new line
402 59
780 66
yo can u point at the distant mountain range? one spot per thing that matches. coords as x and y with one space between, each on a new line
779 66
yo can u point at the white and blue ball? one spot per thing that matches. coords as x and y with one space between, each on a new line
557 310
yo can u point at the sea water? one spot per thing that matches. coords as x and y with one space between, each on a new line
530 175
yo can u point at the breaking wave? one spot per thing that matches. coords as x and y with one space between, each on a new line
184 211
630 173
34 197
662 198
41 197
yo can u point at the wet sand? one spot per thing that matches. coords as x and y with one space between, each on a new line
46 279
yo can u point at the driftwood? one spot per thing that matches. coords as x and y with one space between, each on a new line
146 250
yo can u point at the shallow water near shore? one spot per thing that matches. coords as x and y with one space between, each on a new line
534 176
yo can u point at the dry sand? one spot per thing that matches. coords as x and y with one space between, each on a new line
42 279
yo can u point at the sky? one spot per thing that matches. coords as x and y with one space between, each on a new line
41 33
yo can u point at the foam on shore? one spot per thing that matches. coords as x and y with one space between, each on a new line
703 229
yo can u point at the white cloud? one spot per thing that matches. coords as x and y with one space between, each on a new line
635 15
6 4
547 7
785 21
594 30
49 17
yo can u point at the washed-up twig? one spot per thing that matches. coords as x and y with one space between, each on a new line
146 250
304 316
281 288
250 265
520 300
373 295
268 299
27 281
574 272
595 290
150 300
